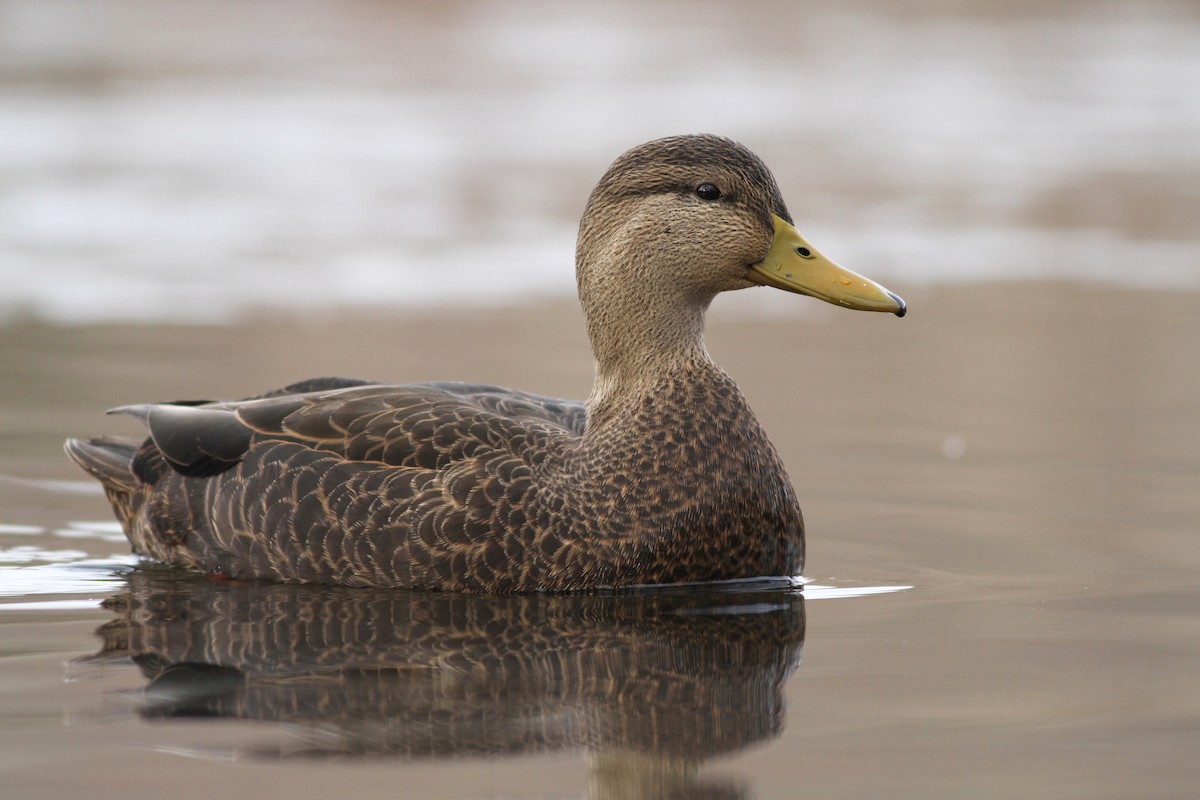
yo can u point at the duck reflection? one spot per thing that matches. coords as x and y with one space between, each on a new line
651 684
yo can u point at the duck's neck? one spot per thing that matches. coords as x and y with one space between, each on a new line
644 318
637 342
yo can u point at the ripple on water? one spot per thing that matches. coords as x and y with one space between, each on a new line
42 569
20 530
62 572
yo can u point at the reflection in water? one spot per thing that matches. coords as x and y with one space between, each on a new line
651 684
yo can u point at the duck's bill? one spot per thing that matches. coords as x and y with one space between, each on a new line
792 264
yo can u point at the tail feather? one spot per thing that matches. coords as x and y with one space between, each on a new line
108 459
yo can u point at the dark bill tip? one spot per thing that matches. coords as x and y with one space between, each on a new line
900 312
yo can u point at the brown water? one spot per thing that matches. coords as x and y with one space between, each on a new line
1023 455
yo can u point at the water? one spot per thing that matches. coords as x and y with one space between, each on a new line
1000 489
1015 464
165 163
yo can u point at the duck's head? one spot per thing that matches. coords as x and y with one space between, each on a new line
675 221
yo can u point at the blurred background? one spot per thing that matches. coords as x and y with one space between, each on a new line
189 162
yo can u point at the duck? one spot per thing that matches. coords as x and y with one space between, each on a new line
663 475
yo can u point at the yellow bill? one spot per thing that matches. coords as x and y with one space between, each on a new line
793 265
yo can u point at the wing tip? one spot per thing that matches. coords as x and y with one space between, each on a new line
139 411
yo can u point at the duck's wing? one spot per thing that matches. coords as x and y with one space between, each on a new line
570 415
421 425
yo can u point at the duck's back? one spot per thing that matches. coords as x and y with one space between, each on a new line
339 482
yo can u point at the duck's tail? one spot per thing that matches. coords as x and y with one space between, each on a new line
107 459
111 461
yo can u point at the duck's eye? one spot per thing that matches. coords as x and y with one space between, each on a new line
706 191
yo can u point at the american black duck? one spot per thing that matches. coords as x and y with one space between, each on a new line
664 475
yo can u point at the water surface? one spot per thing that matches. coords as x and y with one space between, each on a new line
1022 455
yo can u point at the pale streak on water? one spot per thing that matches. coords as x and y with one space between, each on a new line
161 163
